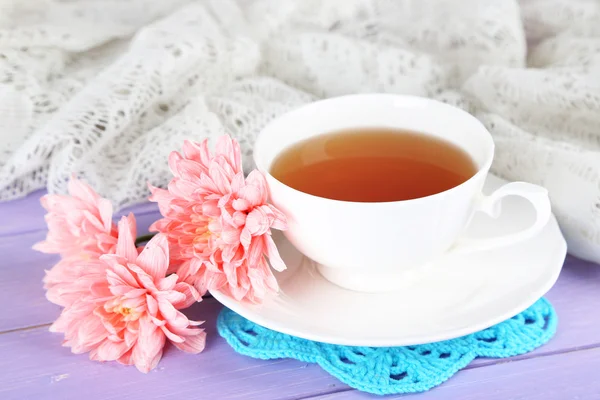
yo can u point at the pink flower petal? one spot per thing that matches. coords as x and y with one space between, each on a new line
273 254
142 276
238 182
251 194
93 220
255 252
257 180
182 188
208 185
258 222
154 259
279 219
91 330
127 358
110 351
230 236
241 204
44 247
174 317
149 346
230 251
126 243
194 343
192 151
231 274
158 322
219 177
229 149
152 305
132 225
81 190
171 336
173 296
133 293
190 293
186 169
168 283
245 238
210 281
120 276
189 269
210 208
205 155
162 197
173 160
78 223
239 292
100 290
224 146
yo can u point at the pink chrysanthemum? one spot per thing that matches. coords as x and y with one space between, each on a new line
68 280
80 229
80 222
219 223
126 307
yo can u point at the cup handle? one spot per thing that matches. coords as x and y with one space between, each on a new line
491 205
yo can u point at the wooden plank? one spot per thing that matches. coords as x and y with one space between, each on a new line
22 215
576 299
35 366
573 375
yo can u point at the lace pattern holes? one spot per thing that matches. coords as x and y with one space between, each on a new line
144 65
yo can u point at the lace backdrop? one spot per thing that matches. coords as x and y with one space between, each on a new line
106 89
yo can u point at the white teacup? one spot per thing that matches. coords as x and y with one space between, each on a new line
367 246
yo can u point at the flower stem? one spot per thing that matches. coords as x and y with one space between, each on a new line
144 238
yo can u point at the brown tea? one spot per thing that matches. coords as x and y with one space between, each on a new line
373 165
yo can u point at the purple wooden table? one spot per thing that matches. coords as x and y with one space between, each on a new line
33 365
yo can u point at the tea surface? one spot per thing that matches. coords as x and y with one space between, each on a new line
373 165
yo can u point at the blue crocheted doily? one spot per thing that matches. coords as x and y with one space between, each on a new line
392 370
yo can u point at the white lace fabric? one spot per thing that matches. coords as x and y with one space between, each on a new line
106 89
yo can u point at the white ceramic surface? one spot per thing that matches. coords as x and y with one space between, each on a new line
460 294
368 246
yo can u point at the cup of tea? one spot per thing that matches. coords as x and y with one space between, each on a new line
374 185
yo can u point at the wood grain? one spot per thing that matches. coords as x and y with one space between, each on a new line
34 365
568 376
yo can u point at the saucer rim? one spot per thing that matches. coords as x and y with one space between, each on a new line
559 250
240 309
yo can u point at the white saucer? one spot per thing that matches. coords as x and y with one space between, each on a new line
459 295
